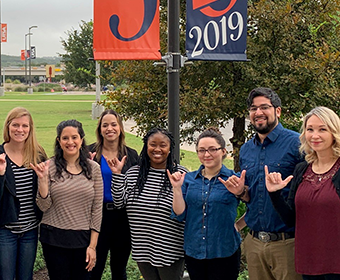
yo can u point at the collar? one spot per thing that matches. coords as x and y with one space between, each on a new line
223 171
272 136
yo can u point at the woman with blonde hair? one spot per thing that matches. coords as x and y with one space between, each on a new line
313 204
19 214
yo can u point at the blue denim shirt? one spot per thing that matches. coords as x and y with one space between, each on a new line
280 152
209 231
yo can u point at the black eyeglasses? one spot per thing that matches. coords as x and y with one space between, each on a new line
209 150
253 109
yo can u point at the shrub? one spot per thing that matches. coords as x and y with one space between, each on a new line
20 89
16 82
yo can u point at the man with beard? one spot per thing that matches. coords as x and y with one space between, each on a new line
269 246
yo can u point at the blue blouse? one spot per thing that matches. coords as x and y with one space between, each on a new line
209 216
107 176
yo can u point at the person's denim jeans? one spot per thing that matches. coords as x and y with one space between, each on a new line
17 254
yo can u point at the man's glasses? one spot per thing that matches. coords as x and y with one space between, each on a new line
253 109
209 150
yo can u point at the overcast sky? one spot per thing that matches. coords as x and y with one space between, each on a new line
53 18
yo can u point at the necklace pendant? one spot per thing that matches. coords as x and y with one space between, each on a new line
320 179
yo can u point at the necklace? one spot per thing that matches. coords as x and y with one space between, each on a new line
205 200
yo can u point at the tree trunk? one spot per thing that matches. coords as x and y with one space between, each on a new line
237 140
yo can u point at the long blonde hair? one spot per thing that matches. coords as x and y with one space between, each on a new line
332 122
33 152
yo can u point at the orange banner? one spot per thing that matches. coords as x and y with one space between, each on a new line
3 32
22 55
126 30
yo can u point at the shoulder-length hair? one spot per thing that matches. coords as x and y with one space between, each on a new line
33 152
122 151
332 122
145 165
84 155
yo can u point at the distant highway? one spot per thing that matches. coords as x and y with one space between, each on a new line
35 71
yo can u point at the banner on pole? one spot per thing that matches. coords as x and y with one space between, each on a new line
22 55
126 30
32 54
3 32
216 30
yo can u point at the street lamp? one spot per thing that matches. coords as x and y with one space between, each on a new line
26 56
30 90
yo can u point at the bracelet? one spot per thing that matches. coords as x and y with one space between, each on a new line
91 248
242 193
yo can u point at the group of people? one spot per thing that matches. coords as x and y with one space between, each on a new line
91 200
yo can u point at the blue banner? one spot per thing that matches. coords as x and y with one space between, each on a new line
216 30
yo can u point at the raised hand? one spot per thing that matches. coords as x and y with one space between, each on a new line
176 179
274 180
41 169
235 184
116 165
92 155
3 164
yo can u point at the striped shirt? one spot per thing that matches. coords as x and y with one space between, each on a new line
156 238
27 219
74 202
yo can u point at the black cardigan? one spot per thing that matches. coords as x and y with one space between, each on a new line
9 203
286 208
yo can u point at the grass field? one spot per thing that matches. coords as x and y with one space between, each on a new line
48 110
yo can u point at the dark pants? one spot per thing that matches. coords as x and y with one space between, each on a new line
173 272
322 277
114 236
64 263
214 269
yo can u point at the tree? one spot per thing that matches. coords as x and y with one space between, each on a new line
79 69
293 46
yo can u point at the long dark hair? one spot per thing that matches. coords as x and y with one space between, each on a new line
60 161
145 165
122 151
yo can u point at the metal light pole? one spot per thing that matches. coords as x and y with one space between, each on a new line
30 90
173 72
26 57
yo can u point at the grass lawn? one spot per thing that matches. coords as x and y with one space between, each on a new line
49 110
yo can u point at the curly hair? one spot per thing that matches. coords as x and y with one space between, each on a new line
332 122
60 161
145 165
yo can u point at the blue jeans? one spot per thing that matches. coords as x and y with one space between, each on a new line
17 254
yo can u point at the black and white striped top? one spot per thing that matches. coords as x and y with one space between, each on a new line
156 238
27 219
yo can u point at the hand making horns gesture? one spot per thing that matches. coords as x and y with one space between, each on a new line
274 180
3 164
116 165
235 184
176 179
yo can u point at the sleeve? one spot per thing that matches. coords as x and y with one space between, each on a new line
121 185
285 207
2 185
97 206
44 203
182 216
